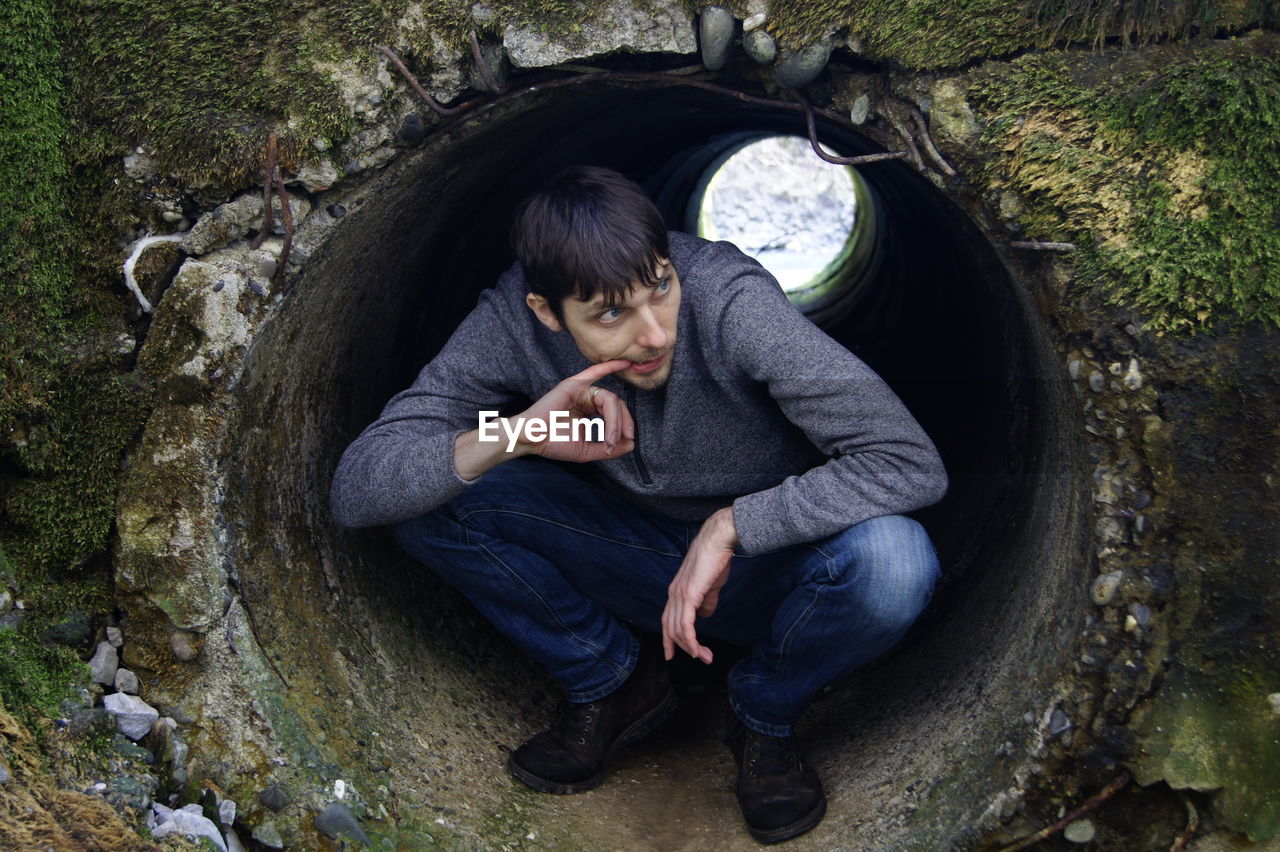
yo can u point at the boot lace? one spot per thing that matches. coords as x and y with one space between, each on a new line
772 755
574 722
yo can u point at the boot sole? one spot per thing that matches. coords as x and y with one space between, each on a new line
636 730
806 823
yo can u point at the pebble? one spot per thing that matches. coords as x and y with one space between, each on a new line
187 821
715 36
1080 831
1105 587
181 645
1059 722
1097 382
801 67
126 681
104 664
336 821
337 211
4 773
753 21
134 717
1130 624
1141 613
1133 377
412 130
760 46
861 109
1073 369
1274 700
273 798
227 812
114 636
6 599
268 835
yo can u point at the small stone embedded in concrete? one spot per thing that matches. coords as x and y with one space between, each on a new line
412 130
801 67
1133 376
753 21
318 176
861 109
126 681
1130 624
1097 382
1141 613
1059 722
1073 368
268 835
1080 831
715 36
1274 700
760 47
273 798
336 821
337 211
1105 587
134 717
104 664
183 646
114 636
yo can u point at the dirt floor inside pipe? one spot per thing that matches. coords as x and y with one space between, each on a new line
386 679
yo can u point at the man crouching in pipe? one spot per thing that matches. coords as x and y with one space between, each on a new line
749 487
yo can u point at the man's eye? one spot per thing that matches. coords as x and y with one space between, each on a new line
611 314
663 286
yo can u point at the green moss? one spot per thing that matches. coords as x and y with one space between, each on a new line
1163 166
933 34
35 678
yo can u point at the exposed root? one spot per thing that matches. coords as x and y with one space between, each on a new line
1120 782
811 126
138 248
268 176
483 67
1033 245
435 105
1193 823
926 140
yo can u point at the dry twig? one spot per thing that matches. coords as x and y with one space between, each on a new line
1048 831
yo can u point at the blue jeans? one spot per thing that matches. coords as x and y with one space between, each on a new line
557 565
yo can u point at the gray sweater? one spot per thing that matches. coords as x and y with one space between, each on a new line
763 410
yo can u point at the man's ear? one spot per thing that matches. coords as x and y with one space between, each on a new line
542 310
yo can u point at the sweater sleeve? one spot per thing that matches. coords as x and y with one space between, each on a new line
402 464
880 461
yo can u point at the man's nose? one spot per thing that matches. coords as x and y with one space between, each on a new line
653 335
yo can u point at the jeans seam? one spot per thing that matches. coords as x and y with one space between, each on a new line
583 643
784 651
468 513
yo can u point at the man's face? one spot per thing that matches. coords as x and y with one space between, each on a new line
641 328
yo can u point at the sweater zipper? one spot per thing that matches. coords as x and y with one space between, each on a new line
635 453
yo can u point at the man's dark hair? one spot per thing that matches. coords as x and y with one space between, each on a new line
590 230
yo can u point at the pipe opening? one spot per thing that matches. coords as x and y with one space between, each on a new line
907 746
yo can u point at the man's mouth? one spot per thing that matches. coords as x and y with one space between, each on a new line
648 366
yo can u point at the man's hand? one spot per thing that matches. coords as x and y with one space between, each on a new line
581 398
695 590
472 457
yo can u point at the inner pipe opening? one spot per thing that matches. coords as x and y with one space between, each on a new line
937 316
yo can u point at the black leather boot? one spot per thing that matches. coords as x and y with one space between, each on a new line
574 754
780 795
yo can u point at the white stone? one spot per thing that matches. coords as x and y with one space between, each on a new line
227 812
1080 831
126 681
134 716
1274 700
1105 587
187 821
104 664
661 26
114 636
753 21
